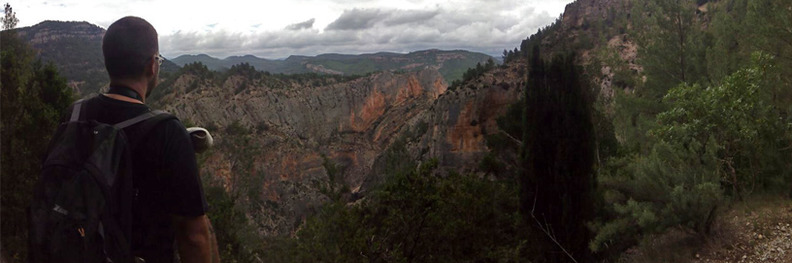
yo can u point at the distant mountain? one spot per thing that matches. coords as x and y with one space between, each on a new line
76 49
451 64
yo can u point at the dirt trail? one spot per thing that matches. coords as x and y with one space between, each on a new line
758 230
755 231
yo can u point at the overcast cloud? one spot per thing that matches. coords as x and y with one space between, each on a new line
304 25
310 27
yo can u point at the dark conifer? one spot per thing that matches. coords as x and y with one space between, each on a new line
557 158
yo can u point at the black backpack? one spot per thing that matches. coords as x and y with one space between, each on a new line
81 209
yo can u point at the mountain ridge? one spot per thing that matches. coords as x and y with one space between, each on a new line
350 64
75 48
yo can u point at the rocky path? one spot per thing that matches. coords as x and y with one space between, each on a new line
757 231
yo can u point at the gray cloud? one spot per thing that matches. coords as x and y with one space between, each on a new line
470 27
303 25
400 17
356 19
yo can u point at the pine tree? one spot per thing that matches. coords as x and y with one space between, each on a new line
672 44
9 20
769 22
558 158
730 49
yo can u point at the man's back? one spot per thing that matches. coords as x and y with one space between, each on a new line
165 176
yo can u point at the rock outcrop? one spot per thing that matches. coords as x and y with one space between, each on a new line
459 120
294 128
75 48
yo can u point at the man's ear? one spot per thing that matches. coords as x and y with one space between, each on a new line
151 67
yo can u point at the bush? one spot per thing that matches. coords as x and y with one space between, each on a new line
738 116
674 186
417 217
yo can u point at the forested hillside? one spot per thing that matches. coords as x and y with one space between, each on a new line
451 63
626 131
75 48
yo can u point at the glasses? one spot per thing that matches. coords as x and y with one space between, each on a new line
159 59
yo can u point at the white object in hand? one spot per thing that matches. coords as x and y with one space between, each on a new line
201 139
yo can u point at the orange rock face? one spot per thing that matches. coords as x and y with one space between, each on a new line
464 136
372 109
412 90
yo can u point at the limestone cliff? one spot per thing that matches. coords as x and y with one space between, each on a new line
293 127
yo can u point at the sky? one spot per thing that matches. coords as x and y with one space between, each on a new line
277 29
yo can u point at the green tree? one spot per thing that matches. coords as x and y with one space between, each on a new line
9 20
33 96
731 33
672 186
770 33
415 216
672 50
672 44
709 138
558 158
737 115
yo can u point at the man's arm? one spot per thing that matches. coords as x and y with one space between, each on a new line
194 239
215 252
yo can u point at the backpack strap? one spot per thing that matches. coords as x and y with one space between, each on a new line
148 121
75 116
139 118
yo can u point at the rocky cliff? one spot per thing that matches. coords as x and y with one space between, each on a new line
294 128
458 122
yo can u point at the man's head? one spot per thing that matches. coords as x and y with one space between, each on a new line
131 51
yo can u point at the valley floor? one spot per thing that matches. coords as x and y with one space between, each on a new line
757 230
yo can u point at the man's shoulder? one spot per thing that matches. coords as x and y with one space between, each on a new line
165 124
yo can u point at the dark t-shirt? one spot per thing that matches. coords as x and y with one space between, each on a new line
165 174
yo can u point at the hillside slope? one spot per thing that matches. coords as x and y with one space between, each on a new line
76 49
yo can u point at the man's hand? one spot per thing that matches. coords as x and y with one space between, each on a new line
194 239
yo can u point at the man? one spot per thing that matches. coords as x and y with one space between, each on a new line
170 205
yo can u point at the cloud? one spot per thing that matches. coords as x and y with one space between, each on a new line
303 25
400 17
240 27
356 19
486 28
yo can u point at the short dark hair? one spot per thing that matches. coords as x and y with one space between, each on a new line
127 46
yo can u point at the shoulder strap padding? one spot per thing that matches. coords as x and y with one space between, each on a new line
149 123
149 119
139 118
75 116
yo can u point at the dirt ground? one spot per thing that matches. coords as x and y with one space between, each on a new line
758 230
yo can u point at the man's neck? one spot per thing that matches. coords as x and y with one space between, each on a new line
122 98
137 86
